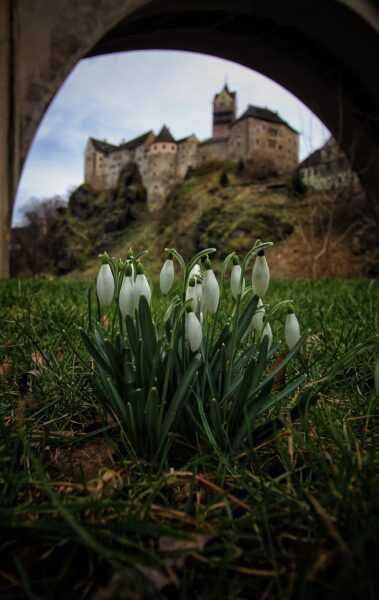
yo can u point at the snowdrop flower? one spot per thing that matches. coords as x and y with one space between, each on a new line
199 294
126 297
193 330
141 286
195 271
257 320
261 275
191 294
105 282
211 290
235 278
376 375
267 331
167 276
291 329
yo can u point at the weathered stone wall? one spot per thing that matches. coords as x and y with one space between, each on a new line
186 156
253 138
212 150
102 169
161 173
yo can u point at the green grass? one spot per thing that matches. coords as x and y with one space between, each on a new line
294 517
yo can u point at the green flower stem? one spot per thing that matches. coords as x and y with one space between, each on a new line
258 246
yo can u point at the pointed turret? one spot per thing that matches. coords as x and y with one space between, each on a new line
165 135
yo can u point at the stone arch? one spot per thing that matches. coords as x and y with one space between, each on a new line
320 50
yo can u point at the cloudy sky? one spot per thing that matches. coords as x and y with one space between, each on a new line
121 96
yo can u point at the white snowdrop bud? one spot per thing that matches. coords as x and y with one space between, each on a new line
141 286
126 297
267 331
235 278
376 375
211 290
291 329
191 294
261 275
193 330
195 271
105 282
167 276
257 320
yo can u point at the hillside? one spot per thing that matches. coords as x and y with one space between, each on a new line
316 234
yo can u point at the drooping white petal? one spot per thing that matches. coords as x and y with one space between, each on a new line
193 330
105 285
376 375
191 294
126 297
261 276
195 271
257 320
267 331
291 330
235 280
141 288
211 291
167 276
199 295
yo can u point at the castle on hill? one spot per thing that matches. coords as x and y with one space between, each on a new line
259 134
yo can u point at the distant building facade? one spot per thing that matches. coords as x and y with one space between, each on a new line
258 134
327 168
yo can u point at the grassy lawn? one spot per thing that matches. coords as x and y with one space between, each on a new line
293 516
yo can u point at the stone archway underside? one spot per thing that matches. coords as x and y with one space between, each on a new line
323 51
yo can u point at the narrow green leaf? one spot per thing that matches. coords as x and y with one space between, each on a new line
180 396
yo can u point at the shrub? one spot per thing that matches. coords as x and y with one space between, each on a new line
224 179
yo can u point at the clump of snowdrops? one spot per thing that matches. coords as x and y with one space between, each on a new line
196 373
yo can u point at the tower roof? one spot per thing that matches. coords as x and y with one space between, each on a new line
264 114
226 90
164 135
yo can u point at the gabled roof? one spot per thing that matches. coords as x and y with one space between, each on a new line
316 157
313 159
135 142
164 135
185 139
264 114
103 147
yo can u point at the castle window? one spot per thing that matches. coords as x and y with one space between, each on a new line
271 143
164 146
272 131
172 147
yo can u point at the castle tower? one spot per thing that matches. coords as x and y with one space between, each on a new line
161 169
224 112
